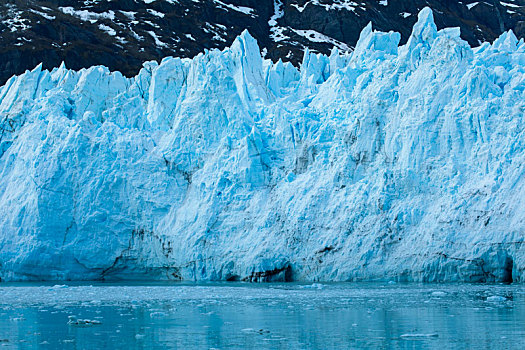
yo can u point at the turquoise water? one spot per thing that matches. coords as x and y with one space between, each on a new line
262 316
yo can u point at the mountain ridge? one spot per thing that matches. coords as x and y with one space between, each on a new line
122 34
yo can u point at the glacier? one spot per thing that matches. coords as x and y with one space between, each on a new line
391 162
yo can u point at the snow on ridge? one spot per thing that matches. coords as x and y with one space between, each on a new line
155 37
242 9
110 31
509 4
277 32
129 14
317 37
390 162
15 21
347 5
156 13
43 14
87 16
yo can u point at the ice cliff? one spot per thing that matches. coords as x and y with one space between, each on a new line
391 162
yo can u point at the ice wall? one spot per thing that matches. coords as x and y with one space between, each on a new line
390 162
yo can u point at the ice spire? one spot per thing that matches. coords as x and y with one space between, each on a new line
507 41
424 30
370 40
249 78
422 37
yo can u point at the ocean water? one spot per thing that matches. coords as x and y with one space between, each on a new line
262 316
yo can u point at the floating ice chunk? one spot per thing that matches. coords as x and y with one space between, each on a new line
313 286
496 299
59 286
157 314
416 336
255 331
74 321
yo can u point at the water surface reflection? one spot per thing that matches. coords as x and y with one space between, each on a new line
267 316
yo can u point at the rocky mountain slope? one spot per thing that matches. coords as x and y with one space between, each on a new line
121 34
390 162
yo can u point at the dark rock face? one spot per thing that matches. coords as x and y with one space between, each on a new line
122 34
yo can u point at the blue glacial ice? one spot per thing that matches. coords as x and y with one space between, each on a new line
391 162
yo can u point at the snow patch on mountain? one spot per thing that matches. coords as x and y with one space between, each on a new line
86 15
277 32
242 9
314 36
347 5
390 162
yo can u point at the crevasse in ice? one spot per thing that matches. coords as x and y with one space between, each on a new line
391 162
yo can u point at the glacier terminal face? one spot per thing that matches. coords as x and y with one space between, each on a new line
392 162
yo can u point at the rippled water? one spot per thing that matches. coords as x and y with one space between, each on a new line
262 316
